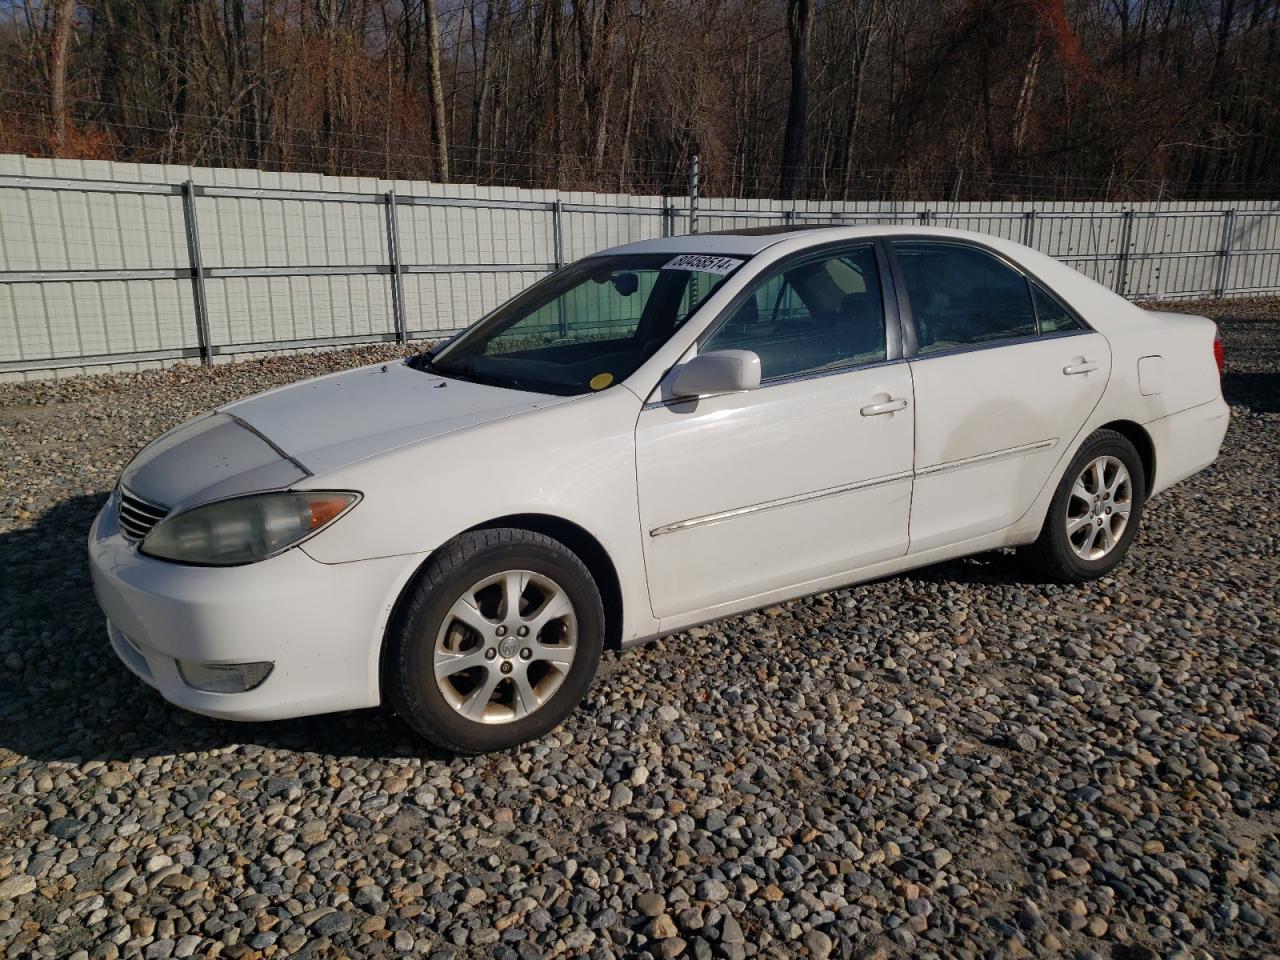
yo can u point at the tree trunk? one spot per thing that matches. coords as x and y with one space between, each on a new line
1221 109
629 110
1269 77
500 120
592 19
1022 113
64 19
864 35
799 31
406 42
556 73
436 91
326 14
239 68
388 67
480 99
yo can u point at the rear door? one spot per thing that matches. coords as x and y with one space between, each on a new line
1005 376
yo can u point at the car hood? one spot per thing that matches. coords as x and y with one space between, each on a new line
209 458
333 421
276 439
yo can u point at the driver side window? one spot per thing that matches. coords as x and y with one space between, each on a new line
822 314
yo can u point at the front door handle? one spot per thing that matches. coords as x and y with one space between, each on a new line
888 406
1083 366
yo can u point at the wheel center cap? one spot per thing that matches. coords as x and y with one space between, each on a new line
507 648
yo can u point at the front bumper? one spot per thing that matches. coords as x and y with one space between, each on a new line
321 625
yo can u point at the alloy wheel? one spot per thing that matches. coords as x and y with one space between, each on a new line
505 646
1098 508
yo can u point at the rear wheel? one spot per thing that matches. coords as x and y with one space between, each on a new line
1095 511
498 642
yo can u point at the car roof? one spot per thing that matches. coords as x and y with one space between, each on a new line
749 241
1100 305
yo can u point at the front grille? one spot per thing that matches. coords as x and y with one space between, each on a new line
138 516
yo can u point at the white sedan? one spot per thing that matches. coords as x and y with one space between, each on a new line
656 436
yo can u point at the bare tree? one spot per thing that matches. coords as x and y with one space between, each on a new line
799 32
64 20
436 90
991 99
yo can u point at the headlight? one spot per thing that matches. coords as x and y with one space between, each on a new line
245 529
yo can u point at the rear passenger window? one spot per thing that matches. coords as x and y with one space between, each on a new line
962 296
818 315
1053 316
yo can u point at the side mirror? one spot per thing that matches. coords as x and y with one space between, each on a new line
720 371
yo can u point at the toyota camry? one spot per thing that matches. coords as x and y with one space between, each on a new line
653 437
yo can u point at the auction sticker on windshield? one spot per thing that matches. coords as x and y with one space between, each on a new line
703 264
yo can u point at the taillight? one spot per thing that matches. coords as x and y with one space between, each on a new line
1218 357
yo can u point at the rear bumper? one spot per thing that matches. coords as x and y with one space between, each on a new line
321 625
1188 441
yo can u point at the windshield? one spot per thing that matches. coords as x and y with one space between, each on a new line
586 327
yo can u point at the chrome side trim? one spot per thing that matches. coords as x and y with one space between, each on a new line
783 502
780 381
860 485
988 457
999 344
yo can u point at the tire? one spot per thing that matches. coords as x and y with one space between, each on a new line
534 666
1073 545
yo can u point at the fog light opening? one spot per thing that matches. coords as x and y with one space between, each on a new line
223 677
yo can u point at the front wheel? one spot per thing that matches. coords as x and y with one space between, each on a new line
1095 511
499 641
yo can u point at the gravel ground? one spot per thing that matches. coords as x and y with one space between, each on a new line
957 763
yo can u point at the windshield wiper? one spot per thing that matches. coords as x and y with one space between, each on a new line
423 362
467 372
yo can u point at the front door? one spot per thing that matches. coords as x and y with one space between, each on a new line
806 477
1005 377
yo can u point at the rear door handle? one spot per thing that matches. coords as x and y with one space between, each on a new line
888 406
1085 366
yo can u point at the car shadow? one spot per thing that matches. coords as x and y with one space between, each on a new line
1260 391
994 568
64 695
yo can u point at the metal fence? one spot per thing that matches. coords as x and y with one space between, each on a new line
127 266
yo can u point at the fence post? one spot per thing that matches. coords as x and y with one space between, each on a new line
557 230
1029 229
1228 231
197 272
1122 270
557 233
397 275
693 194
